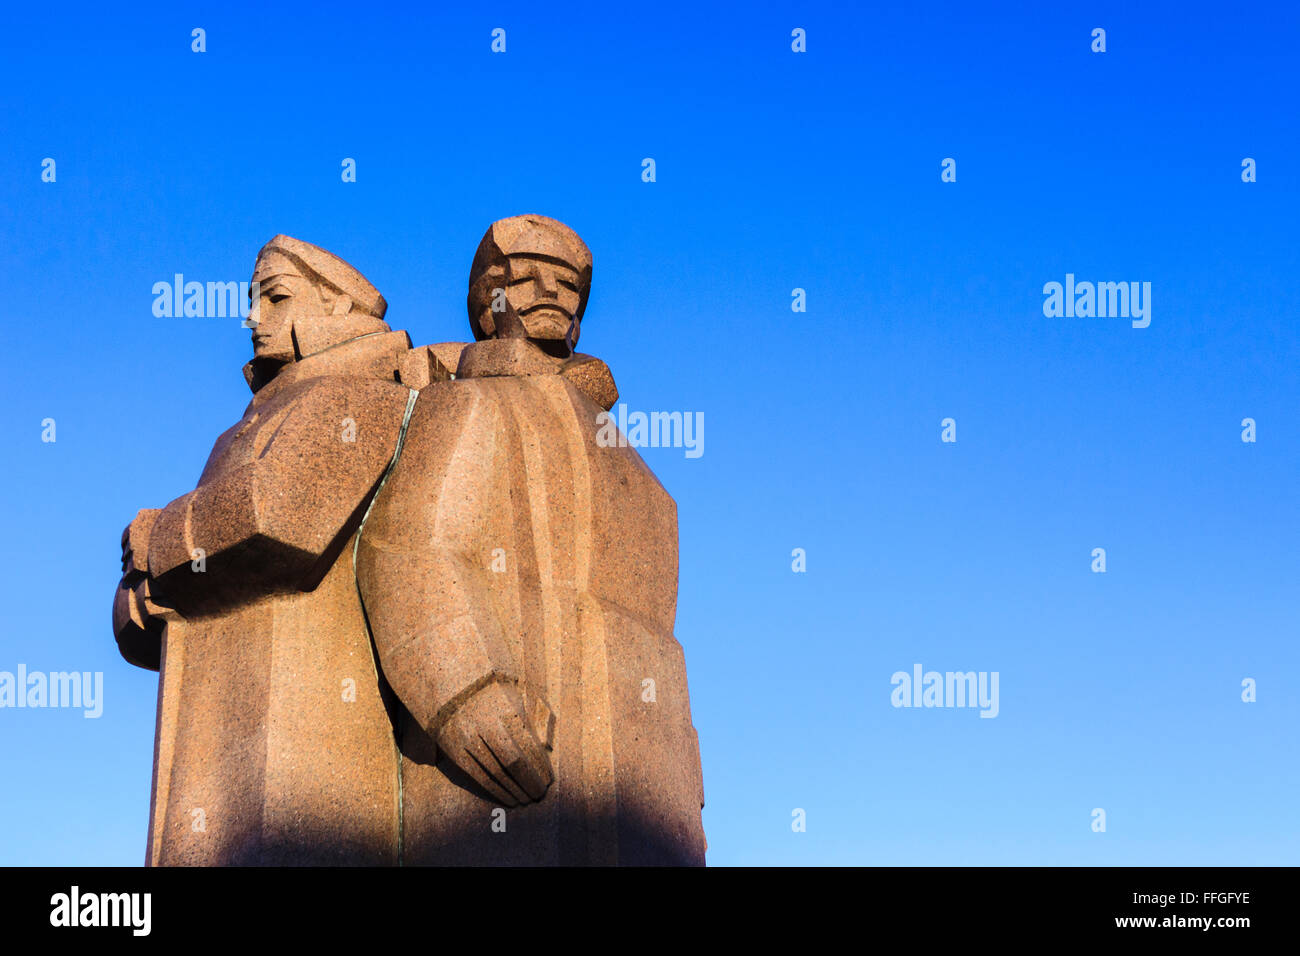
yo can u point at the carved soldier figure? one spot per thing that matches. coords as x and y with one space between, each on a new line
273 744
411 616
521 585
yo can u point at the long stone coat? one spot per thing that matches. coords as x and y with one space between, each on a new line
273 743
509 541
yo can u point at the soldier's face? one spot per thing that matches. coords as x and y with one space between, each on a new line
284 298
544 296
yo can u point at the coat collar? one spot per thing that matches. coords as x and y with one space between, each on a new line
374 355
500 357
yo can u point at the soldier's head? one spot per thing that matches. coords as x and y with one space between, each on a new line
530 279
308 299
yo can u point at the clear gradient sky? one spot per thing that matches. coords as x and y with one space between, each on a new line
775 170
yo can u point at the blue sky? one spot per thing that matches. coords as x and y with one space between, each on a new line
775 171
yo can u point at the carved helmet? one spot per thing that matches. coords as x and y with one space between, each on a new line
322 265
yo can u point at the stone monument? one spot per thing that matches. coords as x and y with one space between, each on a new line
414 611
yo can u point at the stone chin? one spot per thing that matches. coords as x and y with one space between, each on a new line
546 324
267 350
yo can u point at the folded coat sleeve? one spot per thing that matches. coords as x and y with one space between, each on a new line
277 521
422 557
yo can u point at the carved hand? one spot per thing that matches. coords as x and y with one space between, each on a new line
137 624
131 602
129 609
135 546
490 739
